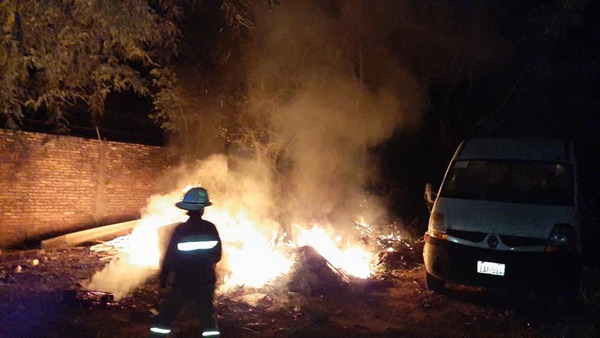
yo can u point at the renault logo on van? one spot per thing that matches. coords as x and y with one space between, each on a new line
492 241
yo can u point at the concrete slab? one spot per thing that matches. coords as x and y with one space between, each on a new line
79 237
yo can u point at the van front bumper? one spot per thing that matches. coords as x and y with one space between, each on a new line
457 263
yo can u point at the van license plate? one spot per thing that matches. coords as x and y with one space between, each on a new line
490 268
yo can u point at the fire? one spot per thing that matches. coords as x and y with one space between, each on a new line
251 256
143 244
254 258
255 253
352 260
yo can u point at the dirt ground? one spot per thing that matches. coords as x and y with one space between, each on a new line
40 296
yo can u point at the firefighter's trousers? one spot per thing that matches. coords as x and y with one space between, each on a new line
200 299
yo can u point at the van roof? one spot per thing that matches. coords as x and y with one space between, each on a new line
534 149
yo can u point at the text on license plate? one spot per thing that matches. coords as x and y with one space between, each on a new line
491 268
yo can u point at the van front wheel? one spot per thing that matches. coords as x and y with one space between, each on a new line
433 283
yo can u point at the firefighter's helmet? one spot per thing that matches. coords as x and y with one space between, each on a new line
194 199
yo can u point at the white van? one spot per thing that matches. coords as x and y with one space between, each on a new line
507 213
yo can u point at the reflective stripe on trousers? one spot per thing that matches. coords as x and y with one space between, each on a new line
201 301
160 330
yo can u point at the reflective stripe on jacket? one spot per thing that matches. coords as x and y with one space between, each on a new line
193 251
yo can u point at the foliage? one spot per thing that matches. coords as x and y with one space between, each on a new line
236 14
59 53
201 93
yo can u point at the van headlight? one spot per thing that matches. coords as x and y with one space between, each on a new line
437 226
562 238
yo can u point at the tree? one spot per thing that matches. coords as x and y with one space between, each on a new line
56 54
197 94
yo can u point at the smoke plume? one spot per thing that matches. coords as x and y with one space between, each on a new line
324 81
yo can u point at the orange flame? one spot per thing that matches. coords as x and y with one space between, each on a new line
251 255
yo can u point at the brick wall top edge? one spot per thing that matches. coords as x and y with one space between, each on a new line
37 135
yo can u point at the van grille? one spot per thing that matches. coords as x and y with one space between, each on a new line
511 241
467 235
515 241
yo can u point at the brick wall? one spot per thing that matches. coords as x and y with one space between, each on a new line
54 184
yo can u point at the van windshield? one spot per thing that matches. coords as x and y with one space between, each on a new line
510 181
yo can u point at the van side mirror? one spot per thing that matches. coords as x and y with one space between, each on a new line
430 195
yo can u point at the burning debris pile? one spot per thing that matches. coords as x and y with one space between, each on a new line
314 274
316 262
110 250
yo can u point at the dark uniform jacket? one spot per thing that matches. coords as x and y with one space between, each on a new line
193 251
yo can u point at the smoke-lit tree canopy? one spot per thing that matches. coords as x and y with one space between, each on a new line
56 54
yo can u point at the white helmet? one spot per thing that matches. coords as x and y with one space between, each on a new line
194 199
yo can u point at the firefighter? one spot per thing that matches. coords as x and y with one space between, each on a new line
189 267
